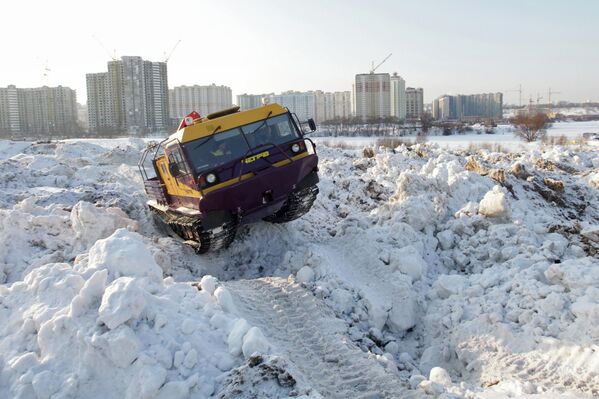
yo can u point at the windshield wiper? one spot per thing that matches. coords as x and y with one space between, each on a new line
209 138
262 124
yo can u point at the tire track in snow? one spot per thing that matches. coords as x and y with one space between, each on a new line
307 332
574 367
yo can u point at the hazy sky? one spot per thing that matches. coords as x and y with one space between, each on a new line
459 46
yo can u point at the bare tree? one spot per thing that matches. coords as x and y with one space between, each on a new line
426 122
530 126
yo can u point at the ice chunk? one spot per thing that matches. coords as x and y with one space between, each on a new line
91 290
149 380
208 284
446 238
124 254
123 346
431 387
415 380
189 326
123 300
402 315
92 223
254 342
45 384
305 274
191 358
450 284
342 300
235 339
178 389
440 376
494 203
223 296
409 262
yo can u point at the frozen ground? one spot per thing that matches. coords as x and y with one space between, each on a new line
503 136
420 272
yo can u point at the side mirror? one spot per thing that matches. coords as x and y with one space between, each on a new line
174 169
312 125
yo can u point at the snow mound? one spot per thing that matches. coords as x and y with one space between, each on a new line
114 327
92 223
124 253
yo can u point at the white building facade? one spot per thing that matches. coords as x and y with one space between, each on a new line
398 97
131 96
249 101
372 96
9 110
414 103
202 99
319 105
38 111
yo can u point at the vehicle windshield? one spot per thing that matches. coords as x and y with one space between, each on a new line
224 147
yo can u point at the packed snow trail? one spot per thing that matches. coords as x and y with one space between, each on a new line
309 334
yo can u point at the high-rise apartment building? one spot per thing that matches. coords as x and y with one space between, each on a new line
336 105
249 101
414 102
303 104
9 111
398 97
38 111
468 107
372 96
319 105
203 99
131 96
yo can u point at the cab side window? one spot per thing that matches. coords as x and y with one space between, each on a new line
175 157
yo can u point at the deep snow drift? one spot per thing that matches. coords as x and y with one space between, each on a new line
419 271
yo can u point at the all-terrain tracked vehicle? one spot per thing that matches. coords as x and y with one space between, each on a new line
230 168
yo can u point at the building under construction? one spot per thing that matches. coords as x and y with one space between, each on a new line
471 107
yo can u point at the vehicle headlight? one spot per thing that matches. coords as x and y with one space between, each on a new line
210 178
295 148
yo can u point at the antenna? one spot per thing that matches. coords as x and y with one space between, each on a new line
374 68
168 57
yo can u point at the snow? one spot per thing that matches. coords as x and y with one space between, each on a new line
305 274
448 281
494 203
254 343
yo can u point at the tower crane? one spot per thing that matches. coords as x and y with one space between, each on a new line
549 93
111 55
519 90
168 57
374 68
539 98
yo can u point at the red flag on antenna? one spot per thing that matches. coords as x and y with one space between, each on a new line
189 120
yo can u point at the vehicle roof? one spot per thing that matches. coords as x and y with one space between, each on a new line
205 127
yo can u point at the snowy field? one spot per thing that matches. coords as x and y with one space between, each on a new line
420 272
504 137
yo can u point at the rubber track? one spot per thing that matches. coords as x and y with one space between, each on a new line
297 205
190 229
307 332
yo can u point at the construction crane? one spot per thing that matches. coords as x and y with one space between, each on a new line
113 55
47 70
168 57
549 93
519 90
374 68
539 98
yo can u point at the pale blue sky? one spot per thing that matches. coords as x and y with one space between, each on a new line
460 46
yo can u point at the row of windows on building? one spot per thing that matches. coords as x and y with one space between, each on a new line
38 111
